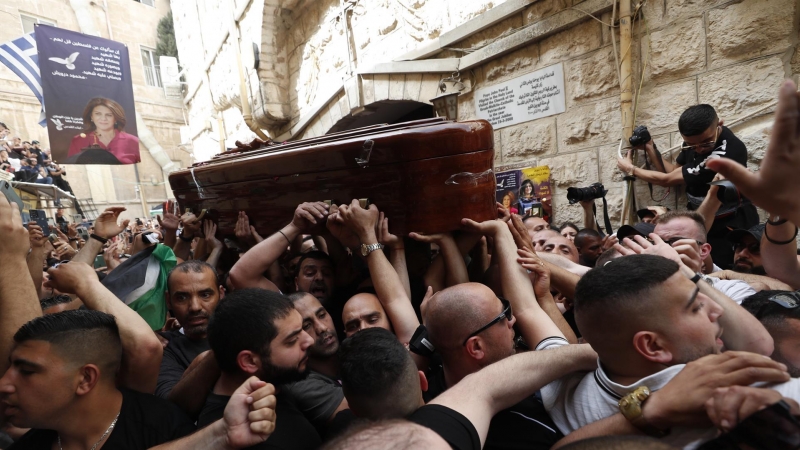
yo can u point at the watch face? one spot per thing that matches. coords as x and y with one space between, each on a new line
364 250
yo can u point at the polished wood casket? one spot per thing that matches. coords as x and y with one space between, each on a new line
425 175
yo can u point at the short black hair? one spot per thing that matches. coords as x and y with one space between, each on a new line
617 290
769 313
196 266
81 336
55 300
696 119
245 321
586 233
376 372
313 254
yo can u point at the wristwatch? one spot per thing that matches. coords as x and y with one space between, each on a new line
367 249
631 407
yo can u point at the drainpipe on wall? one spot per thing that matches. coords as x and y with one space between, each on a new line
626 100
247 113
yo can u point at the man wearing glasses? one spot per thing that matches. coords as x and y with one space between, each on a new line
704 138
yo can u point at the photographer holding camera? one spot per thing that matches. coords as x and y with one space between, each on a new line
704 138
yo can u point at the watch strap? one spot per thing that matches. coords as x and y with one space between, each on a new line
102 240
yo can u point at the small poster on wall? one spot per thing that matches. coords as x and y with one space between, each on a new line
526 191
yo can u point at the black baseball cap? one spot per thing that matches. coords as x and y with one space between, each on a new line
34 142
756 231
641 228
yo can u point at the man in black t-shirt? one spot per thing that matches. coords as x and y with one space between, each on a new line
193 293
704 138
256 332
61 383
460 416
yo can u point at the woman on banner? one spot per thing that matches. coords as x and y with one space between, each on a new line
104 124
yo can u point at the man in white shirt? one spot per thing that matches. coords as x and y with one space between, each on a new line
647 316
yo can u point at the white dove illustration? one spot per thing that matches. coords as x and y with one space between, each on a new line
67 62
59 125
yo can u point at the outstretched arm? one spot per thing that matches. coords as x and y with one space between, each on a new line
362 222
248 420
673 178
532 322
141 349
249 270
780 260
481 395
18 300
36 256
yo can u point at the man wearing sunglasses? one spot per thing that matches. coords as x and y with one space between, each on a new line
747 250
704 138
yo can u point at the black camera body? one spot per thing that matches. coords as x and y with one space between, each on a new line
591 192
640 136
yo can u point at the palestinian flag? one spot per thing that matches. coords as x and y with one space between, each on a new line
141 281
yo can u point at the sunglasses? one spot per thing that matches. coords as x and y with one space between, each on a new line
506 313
788 300
754 248
703 145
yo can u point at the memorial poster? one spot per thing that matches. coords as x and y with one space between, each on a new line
86 82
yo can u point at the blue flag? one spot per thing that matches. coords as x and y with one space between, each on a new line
21 57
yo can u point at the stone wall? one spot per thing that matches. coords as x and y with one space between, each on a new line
731 54
135 25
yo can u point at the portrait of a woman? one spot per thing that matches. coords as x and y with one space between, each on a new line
104 130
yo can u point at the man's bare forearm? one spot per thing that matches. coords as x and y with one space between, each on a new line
616 425
781 261
770 282
249 270
34 261
200 378
18 303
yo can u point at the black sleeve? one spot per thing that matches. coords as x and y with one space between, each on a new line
450 425
681 159
170 373
735 149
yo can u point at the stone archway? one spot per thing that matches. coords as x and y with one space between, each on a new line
384 111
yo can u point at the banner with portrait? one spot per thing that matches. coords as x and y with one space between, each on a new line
525 191
86 82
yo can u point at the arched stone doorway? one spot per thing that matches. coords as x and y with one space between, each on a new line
384 111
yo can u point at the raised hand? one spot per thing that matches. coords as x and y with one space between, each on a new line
731 405
106 225
537 270
520 233
503 213
15 241
72 230
775 186
309 217
249 417
36 235
111 255
243 230
427 238
170 222
487 228
64 251
210 231
360 221
384 236
339 231
71 278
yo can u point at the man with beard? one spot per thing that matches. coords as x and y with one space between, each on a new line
320 395
193 294
256 332
747 250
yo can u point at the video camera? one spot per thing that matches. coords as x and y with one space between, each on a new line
591 192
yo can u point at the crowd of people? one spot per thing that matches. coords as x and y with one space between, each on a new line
335 333
28 162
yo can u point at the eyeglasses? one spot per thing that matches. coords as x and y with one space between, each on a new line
675 239
703 145
506 313
754 248
788 300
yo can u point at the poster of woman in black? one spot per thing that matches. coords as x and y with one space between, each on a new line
88 97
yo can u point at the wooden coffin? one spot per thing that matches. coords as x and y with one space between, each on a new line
425 175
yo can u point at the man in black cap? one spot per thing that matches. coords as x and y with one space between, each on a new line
747 250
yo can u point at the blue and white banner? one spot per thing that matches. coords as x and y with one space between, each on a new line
86 82
21 57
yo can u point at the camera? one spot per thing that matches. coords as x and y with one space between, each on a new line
591 192
640 136
727 193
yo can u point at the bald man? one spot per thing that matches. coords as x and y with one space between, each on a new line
364 311
534 224
472 328
541 236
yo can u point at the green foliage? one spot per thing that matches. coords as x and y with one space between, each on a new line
166 37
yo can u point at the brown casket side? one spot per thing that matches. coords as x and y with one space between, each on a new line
425 177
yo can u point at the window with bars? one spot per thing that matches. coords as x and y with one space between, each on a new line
29 22
152 74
